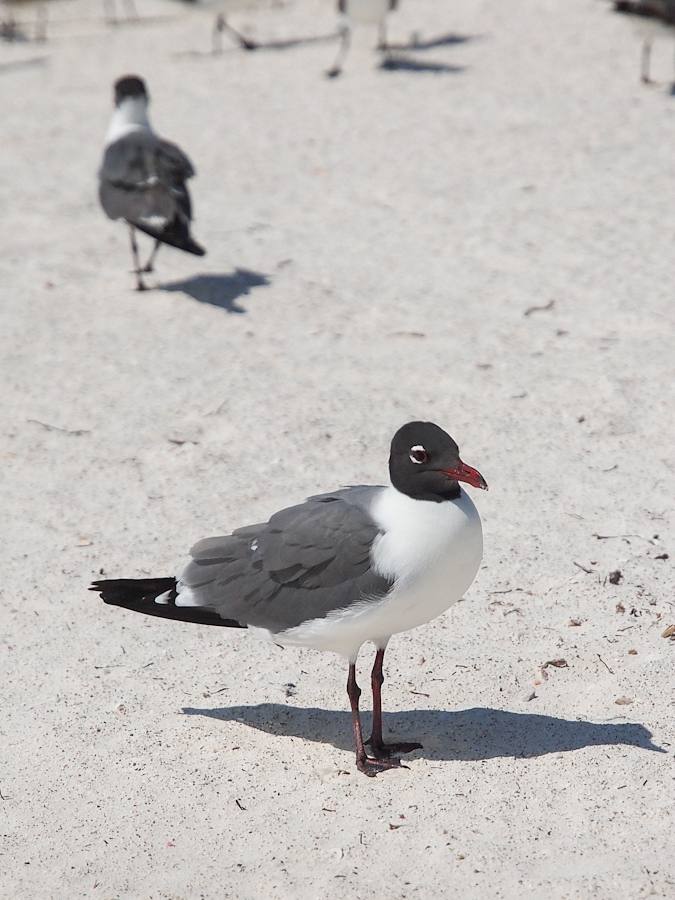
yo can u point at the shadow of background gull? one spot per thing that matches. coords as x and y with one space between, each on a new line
291 43
467 734
415 43
397 62
222 291
281 44
442 40
23 63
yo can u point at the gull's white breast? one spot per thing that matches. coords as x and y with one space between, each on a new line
652 29
367 11
432 552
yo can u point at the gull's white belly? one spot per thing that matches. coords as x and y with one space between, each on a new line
652 29
367 11
432 550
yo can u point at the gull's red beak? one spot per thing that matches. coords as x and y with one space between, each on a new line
465 473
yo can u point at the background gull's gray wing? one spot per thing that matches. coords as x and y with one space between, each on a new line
306 562
174 170
143 179
657 9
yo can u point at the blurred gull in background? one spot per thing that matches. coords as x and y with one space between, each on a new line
11 30
110 10
221 25
652 19
143 178
368 12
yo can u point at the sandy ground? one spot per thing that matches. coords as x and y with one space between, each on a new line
375 244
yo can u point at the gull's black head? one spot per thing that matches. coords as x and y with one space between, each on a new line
424 463
129 86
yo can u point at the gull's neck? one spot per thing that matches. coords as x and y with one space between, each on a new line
130 115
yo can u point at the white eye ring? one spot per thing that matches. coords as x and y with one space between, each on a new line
418 451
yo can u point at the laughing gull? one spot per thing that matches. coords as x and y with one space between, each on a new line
370 12
11 30
222 26
143 178
358 564
652 19
110 11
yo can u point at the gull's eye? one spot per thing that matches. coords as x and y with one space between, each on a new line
418 454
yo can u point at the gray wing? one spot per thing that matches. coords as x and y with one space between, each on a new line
660 9
306 562
142 179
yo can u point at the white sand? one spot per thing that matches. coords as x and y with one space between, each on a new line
398 225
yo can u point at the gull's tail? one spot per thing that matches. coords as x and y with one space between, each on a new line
156 597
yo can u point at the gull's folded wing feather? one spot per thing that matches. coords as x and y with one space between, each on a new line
305 563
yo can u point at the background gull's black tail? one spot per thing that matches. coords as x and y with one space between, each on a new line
140 595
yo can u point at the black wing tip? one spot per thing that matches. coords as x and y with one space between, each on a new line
101 587
180 243
107 593
121 590
195 248
140 595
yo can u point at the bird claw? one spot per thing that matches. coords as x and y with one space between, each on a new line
385 751
371 766
140 285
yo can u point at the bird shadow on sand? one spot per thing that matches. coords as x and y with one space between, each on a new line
23 64
223 290
291 43
467 734
139 21
255 46
442 40
398 62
